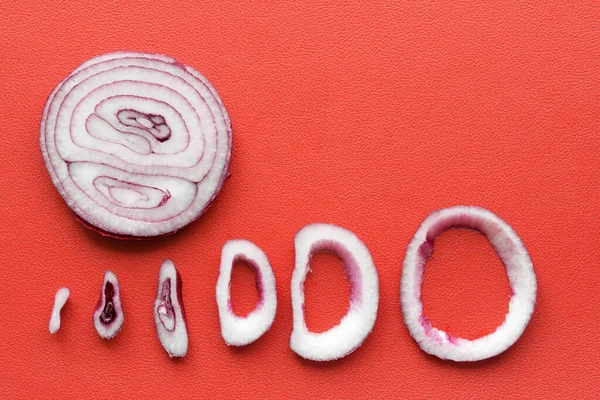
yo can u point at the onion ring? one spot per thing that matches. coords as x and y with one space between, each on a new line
240 331
519 268
356 325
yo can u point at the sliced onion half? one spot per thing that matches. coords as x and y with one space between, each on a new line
137 144
240 331
108 316
519 268
169 313
356 325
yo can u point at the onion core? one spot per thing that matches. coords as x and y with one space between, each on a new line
108 316
169 313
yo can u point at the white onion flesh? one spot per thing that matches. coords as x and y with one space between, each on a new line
137 144
519 268
61 297
356 325
236 330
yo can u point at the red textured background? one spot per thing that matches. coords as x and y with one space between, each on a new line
365 114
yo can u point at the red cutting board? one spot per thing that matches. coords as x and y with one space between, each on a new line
366 114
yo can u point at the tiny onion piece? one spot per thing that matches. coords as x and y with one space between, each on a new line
61 297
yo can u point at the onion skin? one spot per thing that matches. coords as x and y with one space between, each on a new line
137 144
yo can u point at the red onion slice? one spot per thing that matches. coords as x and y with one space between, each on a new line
519 268
61 297
137 144
240 331
169 314
356 325
108 316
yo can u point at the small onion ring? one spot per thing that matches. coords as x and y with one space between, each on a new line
236 330
519 268
137 144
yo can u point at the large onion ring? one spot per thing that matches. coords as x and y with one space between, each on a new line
519 268
137 144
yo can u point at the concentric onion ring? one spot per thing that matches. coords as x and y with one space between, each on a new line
519 269
137 144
